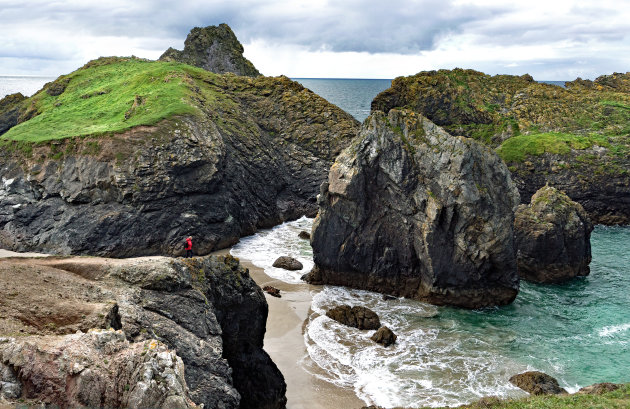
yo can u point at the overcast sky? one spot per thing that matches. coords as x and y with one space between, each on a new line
550 39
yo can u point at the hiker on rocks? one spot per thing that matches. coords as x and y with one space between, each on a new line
188 247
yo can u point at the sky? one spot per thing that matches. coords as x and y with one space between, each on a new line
550 39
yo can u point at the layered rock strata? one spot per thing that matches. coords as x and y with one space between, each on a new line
208 310
412 211
213 48
552 237
574 138
252 155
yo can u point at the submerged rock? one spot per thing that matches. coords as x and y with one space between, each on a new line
97 369
288 263
213 48
552 237
357 317
384 336
537 383
412 211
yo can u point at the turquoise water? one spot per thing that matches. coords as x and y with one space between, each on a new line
352 95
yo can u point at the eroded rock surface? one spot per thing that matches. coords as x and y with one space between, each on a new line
537 383
213 48
412 211
357 317
384 336
287 263
552 237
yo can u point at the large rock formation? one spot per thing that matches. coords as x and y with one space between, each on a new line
208 310
573 138
98 369
247 153
537 383
412 211
213 48
11 107
552 238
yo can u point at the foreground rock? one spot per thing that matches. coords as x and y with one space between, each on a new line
537 383
599 388
574 138
288 263
272 291
412 211
11 108
357 317
213 48
251 155
98 369
207 309
304 235
553 238
384 336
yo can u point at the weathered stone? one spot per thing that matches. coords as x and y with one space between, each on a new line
10 386
288 263
412 211
213 48
272 291
97 369
552 238
357 317
304 235
384 336
599 388
537 383
11 107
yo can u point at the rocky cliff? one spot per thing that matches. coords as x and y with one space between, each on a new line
574 138
207 310
412 211
127 157
213 48
552 237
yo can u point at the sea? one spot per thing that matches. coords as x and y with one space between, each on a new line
578 332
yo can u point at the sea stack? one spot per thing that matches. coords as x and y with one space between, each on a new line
552 237
412 211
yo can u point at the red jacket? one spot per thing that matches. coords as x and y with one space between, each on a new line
188 244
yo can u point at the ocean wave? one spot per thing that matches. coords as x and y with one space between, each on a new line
611 330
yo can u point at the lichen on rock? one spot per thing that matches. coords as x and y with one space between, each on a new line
412 211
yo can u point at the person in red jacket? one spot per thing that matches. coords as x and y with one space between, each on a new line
189 246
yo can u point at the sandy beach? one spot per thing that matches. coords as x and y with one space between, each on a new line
284 342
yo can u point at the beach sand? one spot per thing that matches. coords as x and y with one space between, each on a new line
284 342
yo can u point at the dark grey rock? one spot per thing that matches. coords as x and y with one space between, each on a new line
357 317
288 263
412 211
552 238
304 235
384 336
11 108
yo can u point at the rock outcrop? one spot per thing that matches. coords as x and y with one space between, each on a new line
410 210
552 237
213 48
358 317
384 336
11 107
249 153
97 369
288 263
537 383
207 309
573 138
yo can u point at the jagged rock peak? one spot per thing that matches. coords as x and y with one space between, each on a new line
213 48
412 211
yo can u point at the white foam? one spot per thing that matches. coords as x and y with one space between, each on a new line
611 330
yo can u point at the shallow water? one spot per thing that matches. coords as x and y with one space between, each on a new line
577 332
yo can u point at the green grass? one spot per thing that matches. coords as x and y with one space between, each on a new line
519 147
111 95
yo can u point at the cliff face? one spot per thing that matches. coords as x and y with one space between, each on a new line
412 211
228 156
213 48
208 310
574 138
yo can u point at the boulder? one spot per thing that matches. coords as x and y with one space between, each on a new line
412 211
537 383
272 291
97 369
599 388
384 336
552 238
288 263
357 317
213 48
304 235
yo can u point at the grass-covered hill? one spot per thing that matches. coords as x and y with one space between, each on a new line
159 150
576 138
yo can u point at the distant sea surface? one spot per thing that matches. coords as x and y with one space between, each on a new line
10 84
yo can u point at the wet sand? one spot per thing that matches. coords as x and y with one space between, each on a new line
284 342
